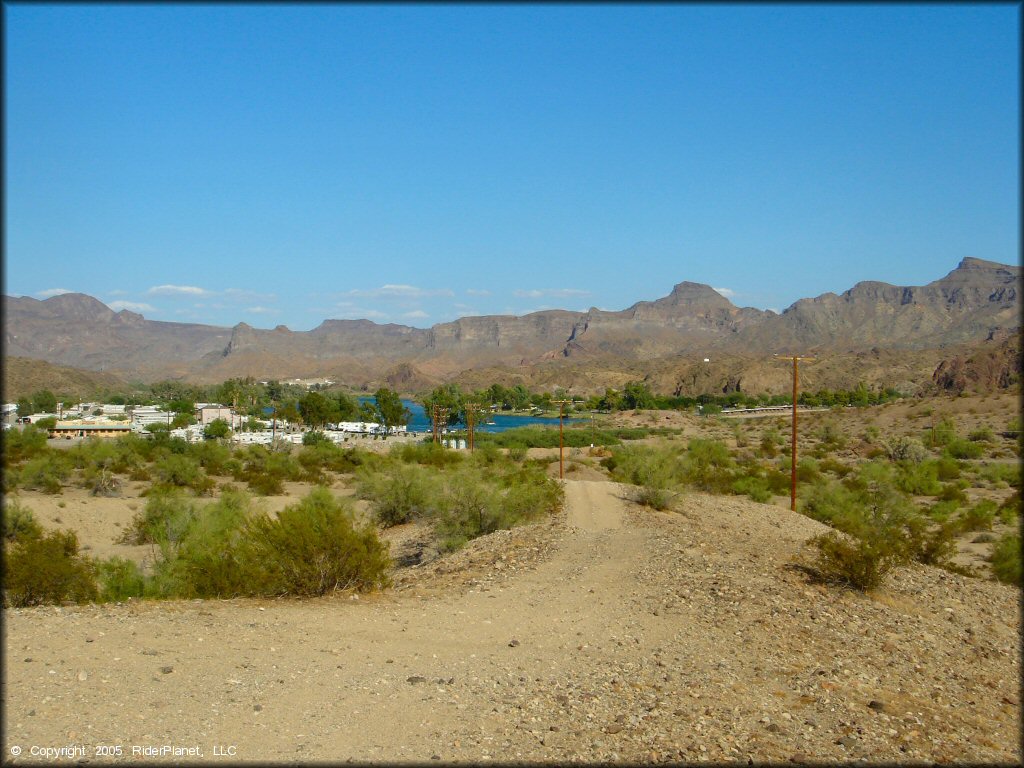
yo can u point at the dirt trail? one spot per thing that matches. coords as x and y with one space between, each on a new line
639 637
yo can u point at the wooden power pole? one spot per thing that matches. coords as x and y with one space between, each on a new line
796 390
561 442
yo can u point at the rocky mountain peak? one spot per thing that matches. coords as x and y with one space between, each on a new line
78 306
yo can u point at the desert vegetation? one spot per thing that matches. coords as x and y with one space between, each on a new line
895 486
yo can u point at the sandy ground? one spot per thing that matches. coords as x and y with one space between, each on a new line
605 633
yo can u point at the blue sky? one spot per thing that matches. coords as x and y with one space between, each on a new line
414 163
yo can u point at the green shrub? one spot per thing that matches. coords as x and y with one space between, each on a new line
119 579
517 453
998 473
948 468
952 492
48 569
19 522
213 456
943 510
265 484
209 560
941 434
706 465
902 448
163 523
314 437
313 548
958 448
979 517
1009 510
22 444
1005 559
855 562
172 469
919 479
757 488
835 467
653 497
983 434
932 545
429 454
46 473
399 493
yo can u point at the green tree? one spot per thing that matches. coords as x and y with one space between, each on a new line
391 412
217 429
636 395
25 406
449 397
317 410
348 407
44 401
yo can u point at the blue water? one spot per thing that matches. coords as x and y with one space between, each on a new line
420 423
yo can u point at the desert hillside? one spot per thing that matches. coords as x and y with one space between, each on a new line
609 632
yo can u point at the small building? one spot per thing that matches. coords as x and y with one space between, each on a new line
212 411
81 428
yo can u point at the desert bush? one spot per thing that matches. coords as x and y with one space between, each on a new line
1005 559
982 434
399 493
919 479
265 471
22 444
119 579
769 445
313 547
941 434
837 468
527 494
46 473
831 435
180 471
19 522
427 454
314 437
757 488
209 560
902 448
948 468
998 473
213 456
163 523
958 448
942 510
855 562
517 453
932 544
1009 510
706 465
979 517
48 569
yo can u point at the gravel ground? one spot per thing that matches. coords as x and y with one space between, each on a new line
606 633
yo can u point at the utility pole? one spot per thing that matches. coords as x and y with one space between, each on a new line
472 411
796 387
437 413
561 442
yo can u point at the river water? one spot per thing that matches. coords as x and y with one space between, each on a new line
420 423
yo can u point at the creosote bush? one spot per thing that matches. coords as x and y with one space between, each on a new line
48 569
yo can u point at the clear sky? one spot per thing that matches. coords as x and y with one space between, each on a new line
414 163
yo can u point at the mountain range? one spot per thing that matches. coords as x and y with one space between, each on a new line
884 327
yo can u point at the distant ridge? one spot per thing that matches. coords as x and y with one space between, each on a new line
975 300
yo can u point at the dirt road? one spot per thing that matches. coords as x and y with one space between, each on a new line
633 635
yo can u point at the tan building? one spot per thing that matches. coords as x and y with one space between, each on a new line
84 428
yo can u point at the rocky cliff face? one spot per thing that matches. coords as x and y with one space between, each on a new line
970 303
